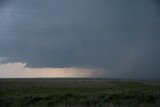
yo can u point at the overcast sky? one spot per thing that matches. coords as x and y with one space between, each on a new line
90 38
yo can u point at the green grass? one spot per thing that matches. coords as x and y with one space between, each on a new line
86 92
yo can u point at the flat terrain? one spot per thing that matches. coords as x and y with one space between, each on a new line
78 92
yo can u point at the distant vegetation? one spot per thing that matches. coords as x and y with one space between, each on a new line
78 92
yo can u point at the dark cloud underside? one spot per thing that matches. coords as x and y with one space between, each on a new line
120 36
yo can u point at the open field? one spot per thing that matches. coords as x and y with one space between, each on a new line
79 92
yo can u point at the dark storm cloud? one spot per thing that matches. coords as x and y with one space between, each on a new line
2 2
121 36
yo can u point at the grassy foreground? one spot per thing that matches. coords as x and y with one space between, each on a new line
78 92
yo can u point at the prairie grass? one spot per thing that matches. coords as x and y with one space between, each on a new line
79 93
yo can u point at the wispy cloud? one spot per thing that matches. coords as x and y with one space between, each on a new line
2 59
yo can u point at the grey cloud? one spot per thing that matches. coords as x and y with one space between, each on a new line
120 36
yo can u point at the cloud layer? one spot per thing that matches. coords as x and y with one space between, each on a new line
121 37
19 70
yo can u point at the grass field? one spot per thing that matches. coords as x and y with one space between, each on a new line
78 93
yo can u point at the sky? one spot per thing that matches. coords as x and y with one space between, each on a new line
80 38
